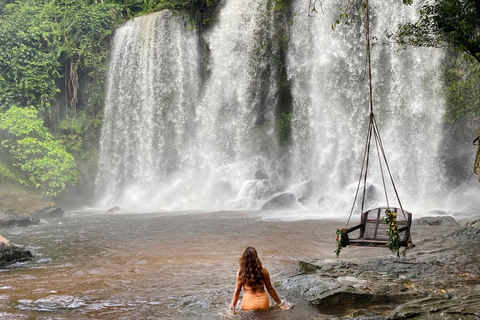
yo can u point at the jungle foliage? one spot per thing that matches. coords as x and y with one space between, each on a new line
43 160
451 23
54 57
462 88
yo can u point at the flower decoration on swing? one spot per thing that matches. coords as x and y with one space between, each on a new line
392 231
342 240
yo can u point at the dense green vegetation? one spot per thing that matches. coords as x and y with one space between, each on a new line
463 89
44 161
445 23
53 58
456 25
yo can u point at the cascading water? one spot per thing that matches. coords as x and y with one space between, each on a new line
151 94
176 137
167 143
329 76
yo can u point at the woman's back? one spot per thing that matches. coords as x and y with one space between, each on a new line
253 278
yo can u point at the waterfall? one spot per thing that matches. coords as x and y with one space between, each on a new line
328 70
173 139
151 95
191 120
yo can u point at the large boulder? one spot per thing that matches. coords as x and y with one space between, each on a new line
11 253
444 221
280 202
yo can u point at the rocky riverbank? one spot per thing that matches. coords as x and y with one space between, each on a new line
20 208
11 253
440 279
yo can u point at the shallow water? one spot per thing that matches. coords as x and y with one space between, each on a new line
163 265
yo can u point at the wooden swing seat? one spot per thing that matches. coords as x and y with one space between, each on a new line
373 228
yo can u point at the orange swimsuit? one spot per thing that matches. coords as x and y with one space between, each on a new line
254 298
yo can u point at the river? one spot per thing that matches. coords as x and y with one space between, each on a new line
168 265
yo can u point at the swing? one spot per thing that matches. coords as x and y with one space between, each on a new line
383 226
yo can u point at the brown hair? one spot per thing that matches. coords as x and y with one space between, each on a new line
251 268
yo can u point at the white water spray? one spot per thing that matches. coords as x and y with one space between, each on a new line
174 138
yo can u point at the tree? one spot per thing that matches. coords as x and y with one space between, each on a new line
453 23
44 161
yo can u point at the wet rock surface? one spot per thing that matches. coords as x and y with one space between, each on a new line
20 208
11 253
439 281
8 219
436 221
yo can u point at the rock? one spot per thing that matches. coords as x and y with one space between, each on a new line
114 209
307 266
459 305
11 253
303 200
444 221
261 174
55 302
16 220
49 212
475 224
467 233
281 201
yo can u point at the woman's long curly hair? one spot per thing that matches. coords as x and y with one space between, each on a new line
251 268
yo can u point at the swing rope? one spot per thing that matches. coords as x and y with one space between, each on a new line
372 129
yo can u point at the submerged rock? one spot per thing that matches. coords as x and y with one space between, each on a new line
281 201
11 253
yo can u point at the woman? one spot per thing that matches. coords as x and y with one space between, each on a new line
253 278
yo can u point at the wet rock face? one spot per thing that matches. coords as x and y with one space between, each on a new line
427 289
11 253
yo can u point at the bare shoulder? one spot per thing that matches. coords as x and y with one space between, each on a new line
265 272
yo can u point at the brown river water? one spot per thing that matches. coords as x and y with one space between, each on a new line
161 265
